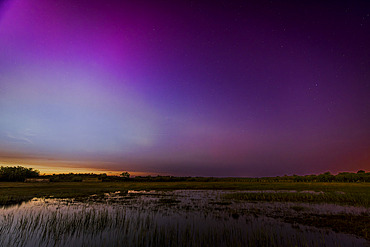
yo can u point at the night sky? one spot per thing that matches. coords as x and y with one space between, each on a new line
186 88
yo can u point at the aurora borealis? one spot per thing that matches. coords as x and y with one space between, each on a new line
188 88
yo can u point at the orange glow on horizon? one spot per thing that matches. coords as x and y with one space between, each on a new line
50 170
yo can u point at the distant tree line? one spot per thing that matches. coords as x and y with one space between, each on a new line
360 176
19 174
79 177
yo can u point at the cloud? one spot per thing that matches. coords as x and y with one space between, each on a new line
28 132
23 138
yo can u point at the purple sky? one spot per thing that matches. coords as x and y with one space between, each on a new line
209 88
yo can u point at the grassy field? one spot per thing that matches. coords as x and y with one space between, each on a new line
354 193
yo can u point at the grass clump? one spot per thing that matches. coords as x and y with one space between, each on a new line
297 208
328 197
168 201
13 199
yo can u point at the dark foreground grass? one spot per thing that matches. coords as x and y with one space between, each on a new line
354 193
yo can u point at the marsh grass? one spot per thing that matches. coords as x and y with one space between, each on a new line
13 199
358 199
358 225
168 201
15 192
82 224
354 224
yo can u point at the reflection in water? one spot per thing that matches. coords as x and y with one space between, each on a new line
172 218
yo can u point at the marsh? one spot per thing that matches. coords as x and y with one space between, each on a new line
173 218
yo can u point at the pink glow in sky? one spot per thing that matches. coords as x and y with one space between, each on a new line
210 88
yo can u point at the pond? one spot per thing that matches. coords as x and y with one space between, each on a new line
169 218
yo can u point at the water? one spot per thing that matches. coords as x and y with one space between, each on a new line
166 218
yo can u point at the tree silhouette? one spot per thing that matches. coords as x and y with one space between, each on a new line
125 175
17 173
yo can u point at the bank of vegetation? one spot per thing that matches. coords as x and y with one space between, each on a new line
20 174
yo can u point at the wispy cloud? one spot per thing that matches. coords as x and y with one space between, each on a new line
19 138
29 132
